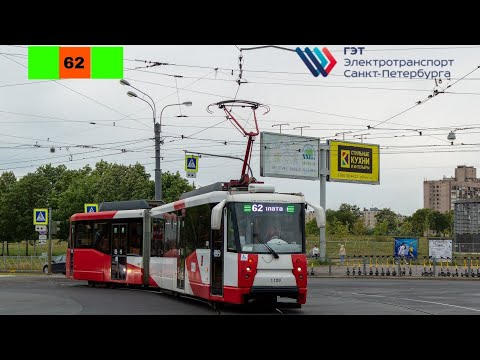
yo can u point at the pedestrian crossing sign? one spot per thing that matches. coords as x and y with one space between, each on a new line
191 163
91 208
40 216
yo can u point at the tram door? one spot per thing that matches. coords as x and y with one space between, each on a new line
216 256
119 251
72 242
181 246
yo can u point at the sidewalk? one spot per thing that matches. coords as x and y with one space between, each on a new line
337 271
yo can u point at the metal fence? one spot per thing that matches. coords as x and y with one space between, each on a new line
381 266
22 263
466 248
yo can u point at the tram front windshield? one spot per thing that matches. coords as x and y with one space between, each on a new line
267 227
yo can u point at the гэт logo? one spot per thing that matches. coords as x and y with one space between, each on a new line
324 66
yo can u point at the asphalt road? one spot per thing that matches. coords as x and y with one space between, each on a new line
56 295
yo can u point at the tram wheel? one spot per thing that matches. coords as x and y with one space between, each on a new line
91 284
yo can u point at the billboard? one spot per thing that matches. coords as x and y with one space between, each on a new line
289 156
406 248
354 162
438 249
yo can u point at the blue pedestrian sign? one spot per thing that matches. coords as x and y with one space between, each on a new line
40 216
91 208
191 163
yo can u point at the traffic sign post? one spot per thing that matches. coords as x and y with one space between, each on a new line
91 208
191 163
40 216
49 243
191 166
40 227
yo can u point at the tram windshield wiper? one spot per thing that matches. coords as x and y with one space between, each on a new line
275 255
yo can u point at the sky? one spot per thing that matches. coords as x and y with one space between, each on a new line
82 121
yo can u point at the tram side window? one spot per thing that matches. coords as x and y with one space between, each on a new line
84 236
157 237
135 237
170 246
197 228
101 238
231 246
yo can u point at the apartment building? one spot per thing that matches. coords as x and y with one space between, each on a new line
441 194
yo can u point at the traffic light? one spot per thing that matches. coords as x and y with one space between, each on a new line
55 227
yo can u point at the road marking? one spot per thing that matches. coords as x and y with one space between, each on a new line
423 301
438 303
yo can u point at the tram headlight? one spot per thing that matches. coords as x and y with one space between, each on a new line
299 269
248 269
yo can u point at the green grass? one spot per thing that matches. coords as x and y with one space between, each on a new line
370 245
19 249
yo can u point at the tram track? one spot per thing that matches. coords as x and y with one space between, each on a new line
370 300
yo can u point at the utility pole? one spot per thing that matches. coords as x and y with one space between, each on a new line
301 129
49 241
280 125
158 171
323 149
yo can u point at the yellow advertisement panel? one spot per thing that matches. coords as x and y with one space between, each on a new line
354 162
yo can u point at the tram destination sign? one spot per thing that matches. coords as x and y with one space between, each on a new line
268 208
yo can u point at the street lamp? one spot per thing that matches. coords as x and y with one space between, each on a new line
158 194
158 132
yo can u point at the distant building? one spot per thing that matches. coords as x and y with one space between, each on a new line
371 221
440 195
466 225
369 217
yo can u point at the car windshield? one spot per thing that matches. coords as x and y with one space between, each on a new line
278 225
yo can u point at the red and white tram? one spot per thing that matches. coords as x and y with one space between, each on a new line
219 243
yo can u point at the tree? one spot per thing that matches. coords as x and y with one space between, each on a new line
330 216
420 221
311 228
388 217
451 219
381 228
359 227
439 222
337 228
348 214
17 206
7 180
174 185
115 182
66 191
406 228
